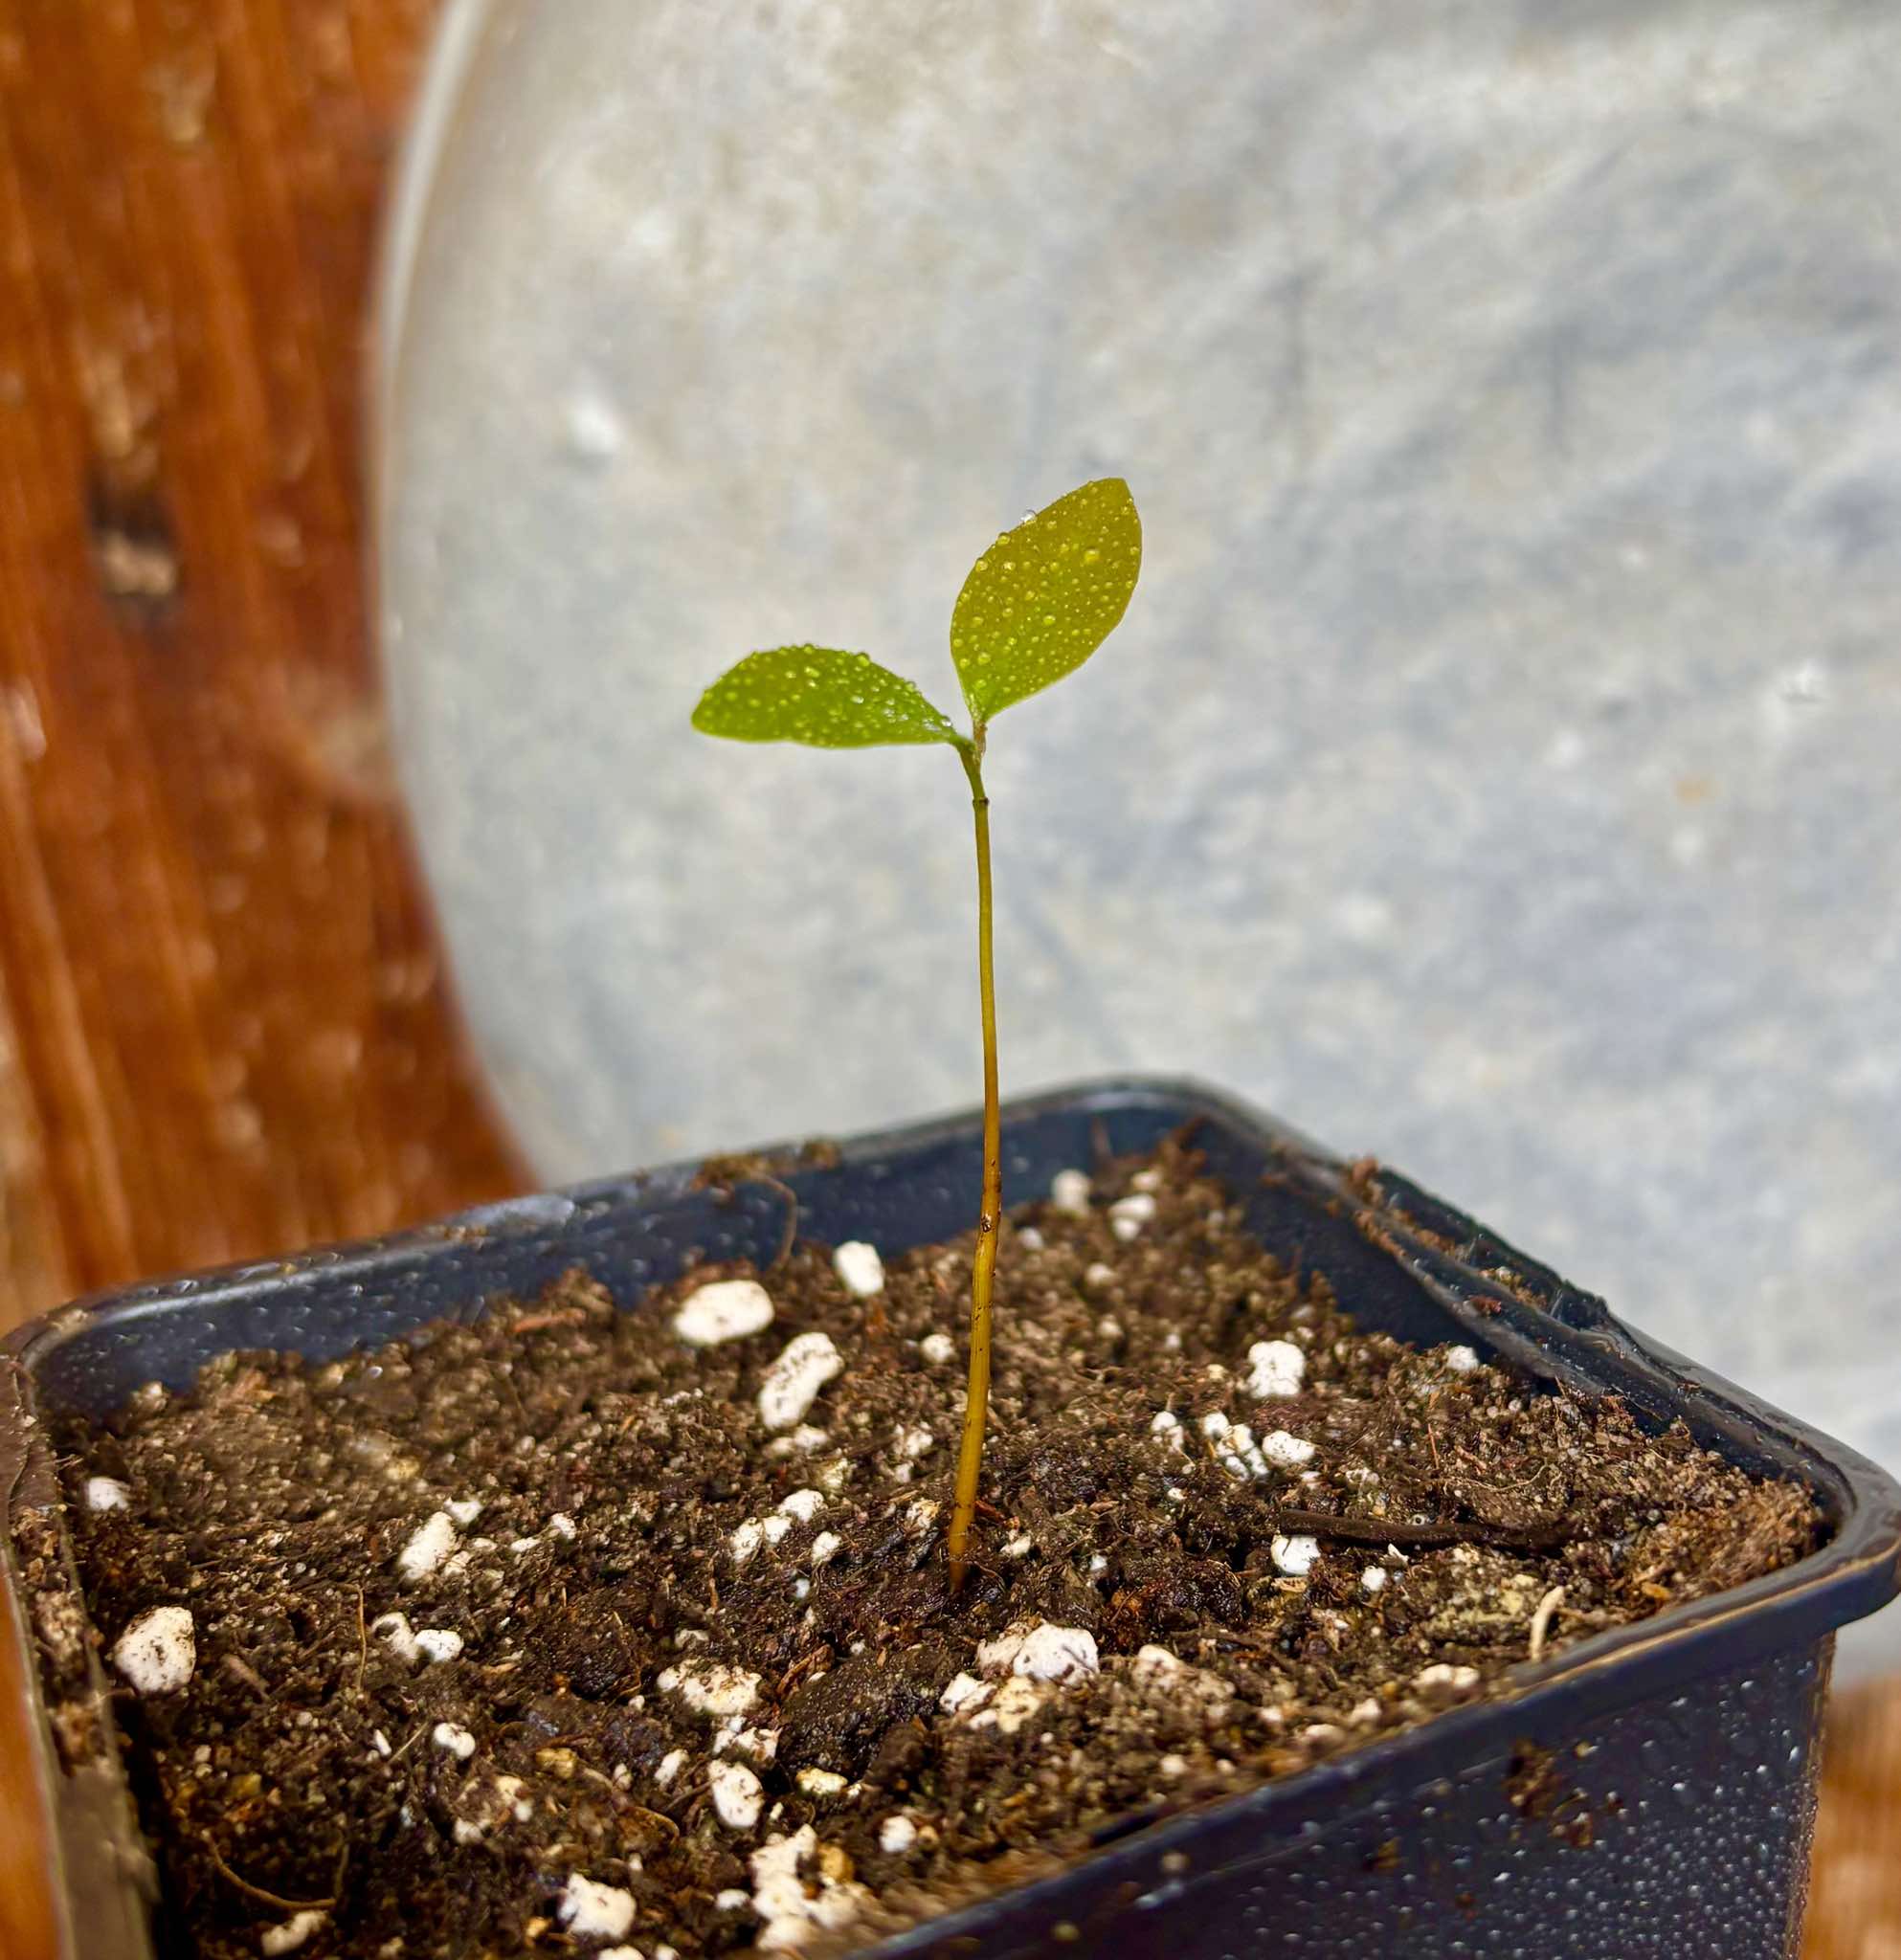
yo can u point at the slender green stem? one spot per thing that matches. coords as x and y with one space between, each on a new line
990 1219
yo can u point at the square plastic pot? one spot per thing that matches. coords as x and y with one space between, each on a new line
1663 1775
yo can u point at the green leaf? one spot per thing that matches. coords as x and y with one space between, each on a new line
819 696
1045 595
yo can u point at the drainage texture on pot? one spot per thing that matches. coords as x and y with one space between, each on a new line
1650 1791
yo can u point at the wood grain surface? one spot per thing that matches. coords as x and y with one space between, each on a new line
223 1021
1854 1909
224 1024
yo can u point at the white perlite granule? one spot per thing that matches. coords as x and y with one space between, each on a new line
395 1630
1157 1667
710 1688
159 1651
1294 1553
738 1795
795 1907
993 1656
1128 1215
593 1912
1234 1447
1016 1702
106 1494
289 1936
793 1382
797 1441
1275 1367
724 1310
428 1547
1040 1652
966 1691
860 1268
1442 1674
428 1643
1069 1191
762 1745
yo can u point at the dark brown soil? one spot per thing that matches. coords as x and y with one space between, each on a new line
666 1725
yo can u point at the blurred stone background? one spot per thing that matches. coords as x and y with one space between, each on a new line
1500 768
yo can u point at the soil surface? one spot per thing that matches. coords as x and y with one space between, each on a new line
562 1633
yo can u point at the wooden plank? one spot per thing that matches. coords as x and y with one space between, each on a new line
224 1027
1854 1909
223 1023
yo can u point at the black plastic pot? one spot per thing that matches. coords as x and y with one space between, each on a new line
1673 1817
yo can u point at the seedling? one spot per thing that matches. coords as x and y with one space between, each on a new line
1033 608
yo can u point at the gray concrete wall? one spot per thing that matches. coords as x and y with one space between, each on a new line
1500 767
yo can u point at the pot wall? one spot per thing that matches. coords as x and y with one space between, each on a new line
1679 1829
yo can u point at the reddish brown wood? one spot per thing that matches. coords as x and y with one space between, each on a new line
223 1023
1854 1908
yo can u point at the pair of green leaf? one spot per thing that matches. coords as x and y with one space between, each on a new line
1033 608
